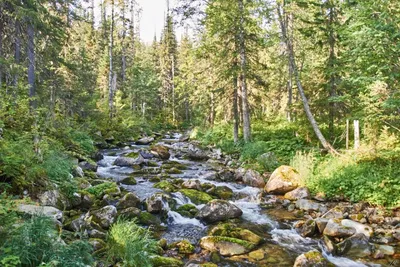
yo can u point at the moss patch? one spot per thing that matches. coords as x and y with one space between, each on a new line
165 186
159 261
187 210
197 197
101 189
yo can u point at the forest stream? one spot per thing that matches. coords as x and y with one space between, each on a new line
280 244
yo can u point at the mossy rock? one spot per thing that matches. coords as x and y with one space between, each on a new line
226 246
129 181
184 247
197 197
187 210
173 170
155 179
159 261
132 155
174 164
231 230
100 190
147 218
90 175
151 163
208 265
165 186
222 192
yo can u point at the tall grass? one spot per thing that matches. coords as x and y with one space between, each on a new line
130 244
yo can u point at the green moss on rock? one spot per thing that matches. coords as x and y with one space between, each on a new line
187 210
101 189
165 186
197 197
159 261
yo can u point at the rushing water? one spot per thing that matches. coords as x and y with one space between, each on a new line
245 197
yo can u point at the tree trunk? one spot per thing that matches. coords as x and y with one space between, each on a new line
212 110
111 71
133 29
243 82
31 65
173 86
235 110
123 52
292 62
1 43
332 71
17 52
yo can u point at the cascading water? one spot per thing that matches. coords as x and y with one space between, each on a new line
247 198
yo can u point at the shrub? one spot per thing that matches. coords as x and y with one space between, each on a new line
130 244
304 163
36 242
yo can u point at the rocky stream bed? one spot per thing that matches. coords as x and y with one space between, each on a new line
206 213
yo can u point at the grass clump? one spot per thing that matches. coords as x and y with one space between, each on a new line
36 242
131 245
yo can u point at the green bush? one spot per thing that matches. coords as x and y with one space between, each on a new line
130 244
36 241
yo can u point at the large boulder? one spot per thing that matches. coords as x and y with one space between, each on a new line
226 175
197 197
239 173
226 246
51 212
312 258
218 210
55 199
128 201
359 227
192 184
356 246
284 179
105 216
309 205
253 178
128 162
335 229
145 140
307 229
298 193
160 152
88 166
157 203
197 155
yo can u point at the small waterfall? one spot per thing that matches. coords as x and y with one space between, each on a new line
290 239
174 218
343 262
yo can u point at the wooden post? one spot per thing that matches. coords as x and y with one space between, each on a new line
356 134
347 134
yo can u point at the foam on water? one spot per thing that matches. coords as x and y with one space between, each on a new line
175 218
290 239
251 213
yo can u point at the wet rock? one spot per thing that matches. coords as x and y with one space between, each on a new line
187 210
197 197
356 246
127 162
359 227
329 245
321 224
97 156
197 155
128 181
239 173
87 201
222 192
309 205
226 246
335 229
312 258
97 234
218 210
359 217
385 249
393 221
147 218
226 175
128 201
105 216
145 154
192 184
88 166
284 179
160 151
257 255
232 230
378 219
97 244
51 212
157 203
145 140
165 186
253 178
320 196
130 213
55 199
307 229
298 193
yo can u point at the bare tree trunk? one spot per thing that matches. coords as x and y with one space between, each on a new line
235 110
212 110
243 82
111 70
123 52
31 65
173 86
292 61
332 79
132 28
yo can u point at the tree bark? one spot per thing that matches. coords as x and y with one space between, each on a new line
132 28
243 82
235 110
17 52
292 62
111 70
123 52
331 66
31 65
